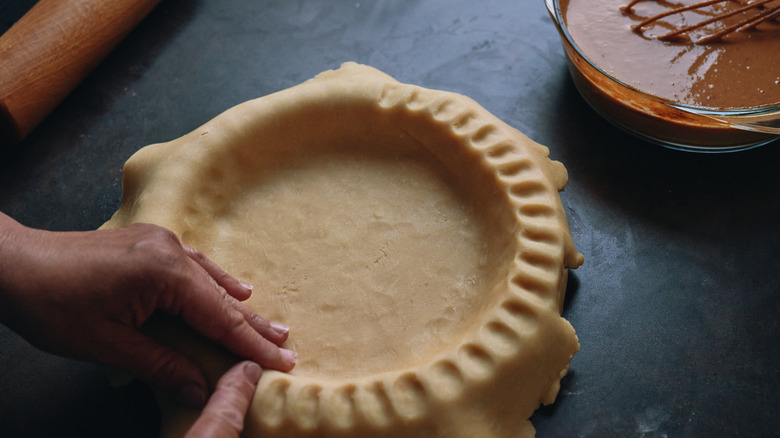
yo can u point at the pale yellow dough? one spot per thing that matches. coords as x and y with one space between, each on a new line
416 245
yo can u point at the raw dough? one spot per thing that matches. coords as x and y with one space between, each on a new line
415 244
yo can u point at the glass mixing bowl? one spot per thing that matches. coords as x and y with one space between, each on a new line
668 123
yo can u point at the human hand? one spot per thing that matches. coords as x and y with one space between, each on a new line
224 413
86 294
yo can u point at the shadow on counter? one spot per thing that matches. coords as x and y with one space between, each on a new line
684 191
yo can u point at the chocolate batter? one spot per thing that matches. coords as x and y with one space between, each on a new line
740 70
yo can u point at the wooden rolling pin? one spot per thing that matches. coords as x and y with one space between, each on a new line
51 49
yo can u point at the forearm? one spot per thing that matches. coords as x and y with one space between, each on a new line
13 236
8 228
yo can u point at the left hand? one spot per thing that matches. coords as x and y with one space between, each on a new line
86 294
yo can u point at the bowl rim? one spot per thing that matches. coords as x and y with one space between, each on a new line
757 118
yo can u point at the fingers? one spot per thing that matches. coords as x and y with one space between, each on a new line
235 288
211 311
224 414
272 331
244 340
208 300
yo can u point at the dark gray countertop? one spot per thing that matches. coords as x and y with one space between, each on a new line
676 306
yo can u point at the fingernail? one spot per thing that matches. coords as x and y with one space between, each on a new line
281 329
247 286
252 371
192 395
289 355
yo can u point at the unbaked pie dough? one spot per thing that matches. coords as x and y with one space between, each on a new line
416 245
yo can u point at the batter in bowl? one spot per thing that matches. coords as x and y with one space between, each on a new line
740 70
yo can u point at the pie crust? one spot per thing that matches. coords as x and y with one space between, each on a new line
416 245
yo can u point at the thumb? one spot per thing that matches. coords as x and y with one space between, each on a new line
162 367
224 414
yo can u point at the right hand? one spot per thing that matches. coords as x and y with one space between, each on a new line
225 411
